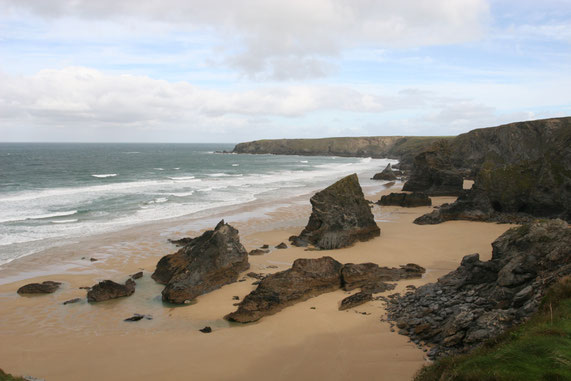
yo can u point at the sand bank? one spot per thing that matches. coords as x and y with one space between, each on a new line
41 337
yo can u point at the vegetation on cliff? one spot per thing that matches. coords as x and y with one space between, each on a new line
539 349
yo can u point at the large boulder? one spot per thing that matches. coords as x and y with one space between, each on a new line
307 278
340 216
386 174
479 300
206 263
46 287
108 289
407 200
434 174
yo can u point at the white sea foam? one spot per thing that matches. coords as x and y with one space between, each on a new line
38 216
159 169
105 175
182 194
235 165
64 221
182 178
304 161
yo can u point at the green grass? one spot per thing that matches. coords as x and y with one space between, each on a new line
539 349
9 377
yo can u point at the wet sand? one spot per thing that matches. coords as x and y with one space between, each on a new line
43 338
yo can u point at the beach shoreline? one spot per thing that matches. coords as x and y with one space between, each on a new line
46 339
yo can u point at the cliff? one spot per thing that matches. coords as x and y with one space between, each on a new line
404 148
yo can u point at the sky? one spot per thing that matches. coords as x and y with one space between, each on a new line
232 71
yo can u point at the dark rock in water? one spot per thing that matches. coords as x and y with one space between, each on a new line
480 300
46 287
340 216
85 288
258 252
281 246
386 174
434 173
370 275
71 301
355 300
265 246
93 259
206 329
407 200
137 275
235 298
307 278
181 242
137 317
108 289
207 263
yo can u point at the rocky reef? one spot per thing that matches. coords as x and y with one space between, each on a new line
311 277
204 264
407 200
340 216
479 300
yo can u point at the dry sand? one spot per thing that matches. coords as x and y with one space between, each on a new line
41 337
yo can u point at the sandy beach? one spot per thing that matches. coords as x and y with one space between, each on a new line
41 337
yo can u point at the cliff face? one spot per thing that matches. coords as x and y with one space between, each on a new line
404 148
520 169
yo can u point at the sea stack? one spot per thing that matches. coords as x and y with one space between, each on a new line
340 216
386 174
205 264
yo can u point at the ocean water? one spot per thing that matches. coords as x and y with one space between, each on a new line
53 192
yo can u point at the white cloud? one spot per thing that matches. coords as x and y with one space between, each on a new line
284 39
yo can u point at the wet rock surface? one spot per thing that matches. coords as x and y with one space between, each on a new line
207 263
46 287
258 252
340 216
137 317
108 289
407 200
72 301
370 276
480 300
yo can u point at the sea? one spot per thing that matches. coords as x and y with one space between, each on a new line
52 192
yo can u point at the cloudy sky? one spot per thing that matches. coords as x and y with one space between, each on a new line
230 71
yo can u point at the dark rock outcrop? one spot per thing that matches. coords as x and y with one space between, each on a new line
311 277
307 278
72 301
206 329
46 287
340 216
181 242
108 289
355 300
480 300
137 275
281 246
407 200
434 174
386 174
258 252
369 276
207 263
137 317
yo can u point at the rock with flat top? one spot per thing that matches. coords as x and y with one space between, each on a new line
46 287
355 300
407 200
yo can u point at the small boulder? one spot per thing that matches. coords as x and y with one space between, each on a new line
355 300
46 287
206 329
137 275
258 252
281 246
71 301
108 289
137 317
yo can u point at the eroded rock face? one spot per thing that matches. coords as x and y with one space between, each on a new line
46 287
311 277
386 174
407 200
340 216
207 263
434 174
355 300
307 278
479 300
108 289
